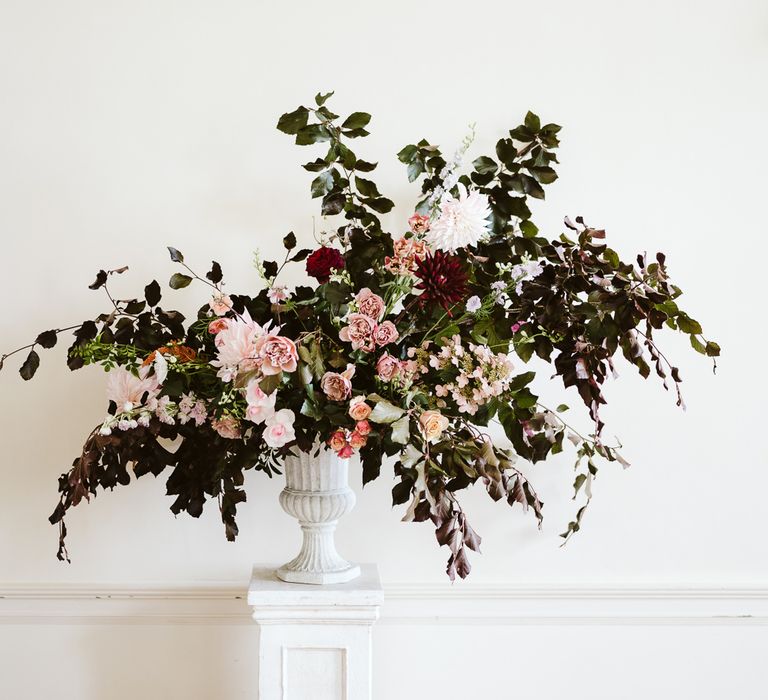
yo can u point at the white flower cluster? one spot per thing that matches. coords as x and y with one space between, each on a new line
481 374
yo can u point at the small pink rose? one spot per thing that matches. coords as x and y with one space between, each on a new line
370 304
363 427
357 440
260 405
217 325
387 367
385 334
359 332
337 386
277 353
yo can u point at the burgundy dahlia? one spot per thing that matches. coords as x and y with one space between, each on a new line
322 261
443 279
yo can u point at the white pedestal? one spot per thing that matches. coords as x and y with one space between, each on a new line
315 641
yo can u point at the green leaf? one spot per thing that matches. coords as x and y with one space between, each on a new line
521 380
532 122
47 339
316 165
562 408
179 281
270 382
321 99
289 241
529 229
688 325
152 293
314 133
379 204
367 188
356 120
415 168
292 122
485 165
408 153
401 430
333 203
322 184
176 255
385 412
712 349
28 369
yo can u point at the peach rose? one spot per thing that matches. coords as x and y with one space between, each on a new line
358 409
433 423
338 387
357 440
278 354
337 440
387 367
359 332
370 304
363 427
385 334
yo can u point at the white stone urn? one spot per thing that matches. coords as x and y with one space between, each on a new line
317 494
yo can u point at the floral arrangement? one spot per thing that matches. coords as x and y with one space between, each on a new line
404 345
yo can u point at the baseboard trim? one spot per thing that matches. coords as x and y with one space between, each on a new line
405 604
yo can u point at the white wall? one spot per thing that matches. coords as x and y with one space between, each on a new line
126 126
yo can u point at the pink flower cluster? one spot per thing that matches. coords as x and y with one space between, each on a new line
477 373
407 253
278 425
242 345
344 442
363 328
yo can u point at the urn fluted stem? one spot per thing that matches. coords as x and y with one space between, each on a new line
317 494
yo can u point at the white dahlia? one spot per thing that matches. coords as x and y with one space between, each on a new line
462 222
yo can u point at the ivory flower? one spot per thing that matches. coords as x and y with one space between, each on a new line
278 429
463 222
260 405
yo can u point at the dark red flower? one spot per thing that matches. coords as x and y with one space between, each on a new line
322 261
443 279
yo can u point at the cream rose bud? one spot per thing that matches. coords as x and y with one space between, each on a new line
432 424
278 428
387 367
358 409
278 354
370 304
337 387
385 334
